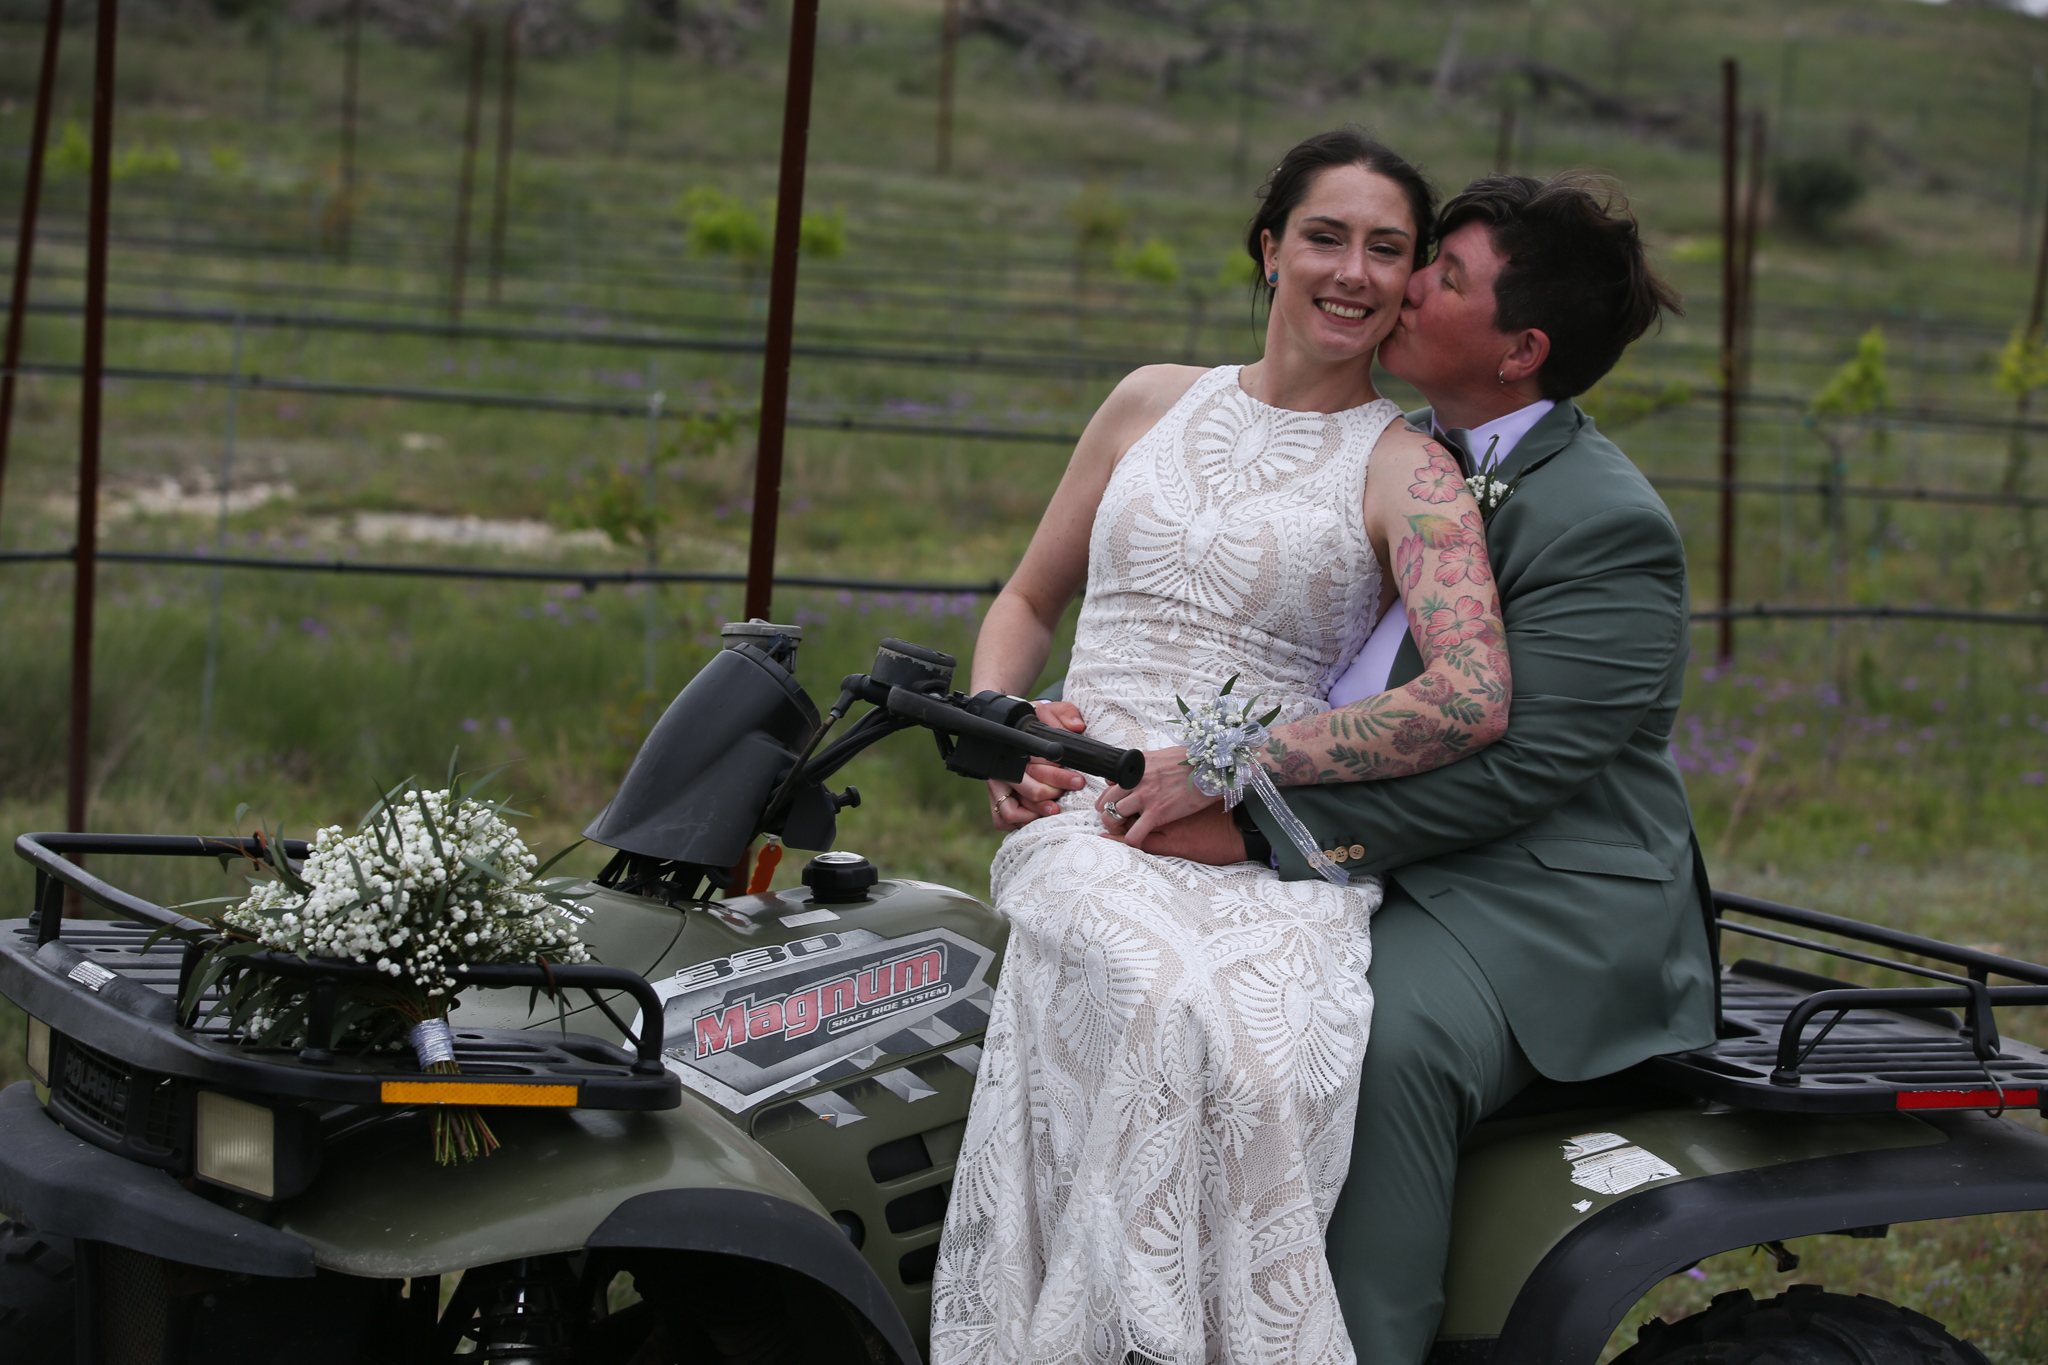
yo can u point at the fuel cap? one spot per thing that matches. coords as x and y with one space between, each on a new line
839 877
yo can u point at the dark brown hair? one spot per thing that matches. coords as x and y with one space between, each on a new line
1296 174
1575 270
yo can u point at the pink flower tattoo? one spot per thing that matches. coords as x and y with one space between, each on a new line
1408 562
1462 561
1437 481
1465 621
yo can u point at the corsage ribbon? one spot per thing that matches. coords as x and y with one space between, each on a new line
1223 749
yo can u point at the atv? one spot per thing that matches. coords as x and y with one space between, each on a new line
733 1141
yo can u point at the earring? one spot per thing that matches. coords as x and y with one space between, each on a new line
1273 277
1502 375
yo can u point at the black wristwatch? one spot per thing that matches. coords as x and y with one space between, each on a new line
1257 847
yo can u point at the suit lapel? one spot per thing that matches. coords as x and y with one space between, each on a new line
1558 428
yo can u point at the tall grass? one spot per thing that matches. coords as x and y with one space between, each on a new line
1888 771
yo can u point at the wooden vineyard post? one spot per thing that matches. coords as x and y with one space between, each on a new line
92 373
351 66
508 87
465 185
949 51
1731 310
25 230
789 209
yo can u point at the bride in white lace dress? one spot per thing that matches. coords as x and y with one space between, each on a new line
1163 1116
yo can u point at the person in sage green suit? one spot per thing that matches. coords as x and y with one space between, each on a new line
1543 914
1544 902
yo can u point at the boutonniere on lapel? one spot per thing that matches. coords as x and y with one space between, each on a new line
1490 490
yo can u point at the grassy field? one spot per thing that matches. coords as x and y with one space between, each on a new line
1890 770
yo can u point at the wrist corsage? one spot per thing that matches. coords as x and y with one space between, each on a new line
1223 740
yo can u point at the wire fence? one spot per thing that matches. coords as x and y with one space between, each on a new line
867 345
592 579
1895 418
871 423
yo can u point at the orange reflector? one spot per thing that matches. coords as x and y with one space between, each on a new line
479 1092
1968 1099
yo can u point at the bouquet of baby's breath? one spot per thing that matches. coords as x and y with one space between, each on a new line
430 881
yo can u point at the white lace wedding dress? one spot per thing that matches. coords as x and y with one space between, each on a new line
1163 1116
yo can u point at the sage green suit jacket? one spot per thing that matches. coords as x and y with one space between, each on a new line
1560 856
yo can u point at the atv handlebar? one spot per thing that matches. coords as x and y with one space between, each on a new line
1006 723
1124 767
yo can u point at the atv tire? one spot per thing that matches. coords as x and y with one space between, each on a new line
36 1280
1805 1325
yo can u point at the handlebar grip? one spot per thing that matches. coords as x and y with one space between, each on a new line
1125 767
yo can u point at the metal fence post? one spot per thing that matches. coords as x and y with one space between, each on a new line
220 543
655 401
25 230
93 368
1731 313
789 209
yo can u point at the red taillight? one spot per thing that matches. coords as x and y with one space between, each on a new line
1969 1099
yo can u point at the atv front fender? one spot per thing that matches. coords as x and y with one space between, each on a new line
1542 1269
382 1207
759 1227
60 1184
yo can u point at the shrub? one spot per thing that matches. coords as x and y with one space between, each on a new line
1813 192
1153 262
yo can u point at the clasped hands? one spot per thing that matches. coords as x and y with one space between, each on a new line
1163 815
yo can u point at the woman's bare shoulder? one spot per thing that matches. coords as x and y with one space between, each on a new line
1149 391
1134 407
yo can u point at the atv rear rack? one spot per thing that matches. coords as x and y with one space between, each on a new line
1875 1048
109 997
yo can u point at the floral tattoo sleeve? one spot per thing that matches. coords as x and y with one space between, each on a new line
1459 704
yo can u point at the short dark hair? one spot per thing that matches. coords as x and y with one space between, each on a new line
1296 174
1575 269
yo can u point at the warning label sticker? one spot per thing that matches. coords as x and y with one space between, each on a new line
1620 1169
1585 1144
755 1022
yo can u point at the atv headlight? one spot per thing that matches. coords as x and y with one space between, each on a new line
236 1144
39 1050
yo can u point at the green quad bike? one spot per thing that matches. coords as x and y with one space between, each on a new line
737 1147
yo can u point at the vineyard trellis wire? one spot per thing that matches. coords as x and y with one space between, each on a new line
858 422
591 579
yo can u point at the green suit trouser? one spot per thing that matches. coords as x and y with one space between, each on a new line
1439 1059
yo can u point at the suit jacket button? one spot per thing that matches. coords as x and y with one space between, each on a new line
1358 850
1335 855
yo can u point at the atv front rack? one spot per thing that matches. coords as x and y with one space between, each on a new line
1796 1042
109 997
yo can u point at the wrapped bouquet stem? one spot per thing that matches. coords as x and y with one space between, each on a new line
461 1132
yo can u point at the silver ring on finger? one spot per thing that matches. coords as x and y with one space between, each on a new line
1112 812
